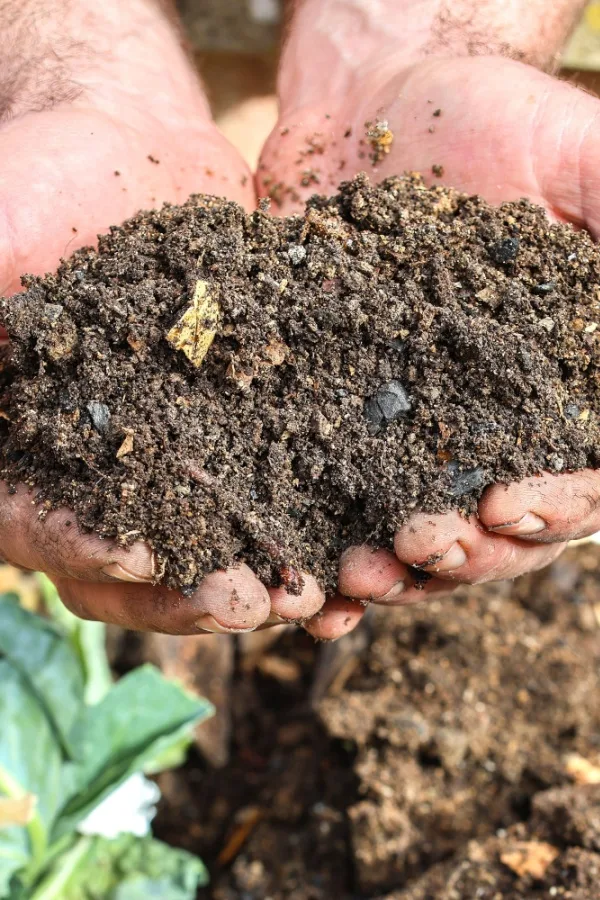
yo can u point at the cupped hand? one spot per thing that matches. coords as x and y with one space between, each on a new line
135 132
495 127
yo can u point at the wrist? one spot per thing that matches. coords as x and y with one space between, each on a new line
95 56
361 40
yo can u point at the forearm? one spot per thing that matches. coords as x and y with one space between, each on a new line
88 52
381 35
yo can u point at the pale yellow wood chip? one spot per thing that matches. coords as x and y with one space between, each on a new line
127 445
581 770
17 810
530 858
195 331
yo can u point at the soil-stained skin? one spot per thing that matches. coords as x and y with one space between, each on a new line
395 348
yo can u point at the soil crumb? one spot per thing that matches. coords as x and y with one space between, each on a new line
235 386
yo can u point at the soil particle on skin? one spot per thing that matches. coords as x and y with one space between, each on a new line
452 757
396 348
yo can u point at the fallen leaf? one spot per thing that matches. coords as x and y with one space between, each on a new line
195 331
275 353
581 770
530 858
241 378
127 445
17 810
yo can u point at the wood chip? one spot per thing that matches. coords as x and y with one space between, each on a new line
247 820
278 667
530 858
195 331
127 445
581 770
17 810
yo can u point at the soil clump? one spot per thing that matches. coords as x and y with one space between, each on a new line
232 386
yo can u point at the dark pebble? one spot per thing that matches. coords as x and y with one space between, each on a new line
99 414
397 344
545 288
505 251
466 482
373 413
572 411
393 401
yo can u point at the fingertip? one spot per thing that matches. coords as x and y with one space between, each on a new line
368 574
338 617
294 608
235 598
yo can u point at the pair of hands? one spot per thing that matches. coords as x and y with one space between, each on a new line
87 161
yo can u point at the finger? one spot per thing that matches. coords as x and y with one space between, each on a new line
338 617
547 508
370 574
287 607
55 544
379 576
227 602
458 549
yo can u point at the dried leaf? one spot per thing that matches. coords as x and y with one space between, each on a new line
242 379
127 445
530 858
17 810
581 770
195 331
275 352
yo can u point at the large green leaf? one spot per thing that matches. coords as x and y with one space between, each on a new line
88 639
14 855
46 662
127 868
137 722
30 762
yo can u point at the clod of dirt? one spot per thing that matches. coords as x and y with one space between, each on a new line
396 348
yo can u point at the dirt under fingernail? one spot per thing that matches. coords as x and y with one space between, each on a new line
243 387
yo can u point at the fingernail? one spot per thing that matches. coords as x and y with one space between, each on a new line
528 524
275 619
209 623
393 593
453 558
116 570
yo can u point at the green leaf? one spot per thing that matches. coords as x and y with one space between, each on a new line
137 723
14 855
46 662
127 868
30 762
87 638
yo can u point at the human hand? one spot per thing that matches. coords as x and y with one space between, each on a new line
504 130
103 116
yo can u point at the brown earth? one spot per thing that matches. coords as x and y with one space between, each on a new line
436 743
397 348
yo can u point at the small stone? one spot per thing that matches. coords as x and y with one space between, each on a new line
466 482
297 254
99 414
547 323
572 411
373 413
545 288
52 312
393 401
556 462
505 251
